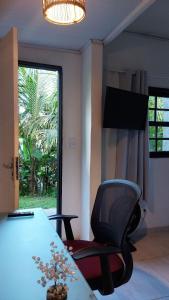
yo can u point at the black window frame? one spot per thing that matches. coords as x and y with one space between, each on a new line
158 92
48 67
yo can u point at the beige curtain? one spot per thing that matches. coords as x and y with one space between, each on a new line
125 152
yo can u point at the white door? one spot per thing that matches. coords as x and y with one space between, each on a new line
9 184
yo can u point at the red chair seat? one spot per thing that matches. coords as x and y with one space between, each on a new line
90 267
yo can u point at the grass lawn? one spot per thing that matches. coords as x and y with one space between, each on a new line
33 202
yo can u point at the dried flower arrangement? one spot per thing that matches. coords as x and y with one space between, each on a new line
58 269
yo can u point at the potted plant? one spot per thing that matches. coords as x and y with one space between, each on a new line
58 270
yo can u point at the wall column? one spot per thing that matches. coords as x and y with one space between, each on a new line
92 60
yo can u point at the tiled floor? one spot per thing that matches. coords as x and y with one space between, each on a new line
150 279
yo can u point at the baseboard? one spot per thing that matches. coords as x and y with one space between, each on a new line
157 229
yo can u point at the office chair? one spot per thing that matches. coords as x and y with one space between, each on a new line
106 262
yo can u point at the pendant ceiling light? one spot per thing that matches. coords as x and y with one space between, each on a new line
64 12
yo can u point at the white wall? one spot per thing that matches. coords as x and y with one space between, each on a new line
71 64
131 51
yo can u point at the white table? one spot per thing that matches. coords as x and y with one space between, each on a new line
20 239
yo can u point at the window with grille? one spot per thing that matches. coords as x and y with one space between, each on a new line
158 122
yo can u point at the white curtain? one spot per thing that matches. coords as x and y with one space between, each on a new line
125 152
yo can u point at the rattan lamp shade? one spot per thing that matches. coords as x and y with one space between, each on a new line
64 12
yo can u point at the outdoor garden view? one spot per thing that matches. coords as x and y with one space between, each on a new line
38 132
158 115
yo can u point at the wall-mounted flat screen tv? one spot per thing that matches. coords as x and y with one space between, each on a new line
124 109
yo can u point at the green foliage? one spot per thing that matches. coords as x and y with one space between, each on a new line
38 110
158 113
159 131
151 102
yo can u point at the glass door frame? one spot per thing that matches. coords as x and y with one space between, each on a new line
48 67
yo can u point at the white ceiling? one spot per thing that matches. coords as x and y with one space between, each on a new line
103 18
154 21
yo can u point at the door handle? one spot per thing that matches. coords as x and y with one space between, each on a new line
17 167
11 167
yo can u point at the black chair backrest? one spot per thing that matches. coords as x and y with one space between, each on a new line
112 211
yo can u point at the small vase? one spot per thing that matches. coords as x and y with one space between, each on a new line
57 292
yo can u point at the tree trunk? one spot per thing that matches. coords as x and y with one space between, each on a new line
32 181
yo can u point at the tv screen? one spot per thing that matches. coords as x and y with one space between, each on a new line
124 109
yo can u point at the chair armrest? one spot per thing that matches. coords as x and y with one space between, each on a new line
103 252
95 251
62 217
66 219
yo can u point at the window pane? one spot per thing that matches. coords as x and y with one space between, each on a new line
151 115
151 102
162 102
163 145
160 132
160 145
152 147
151 131
163 132
162 116
158 115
